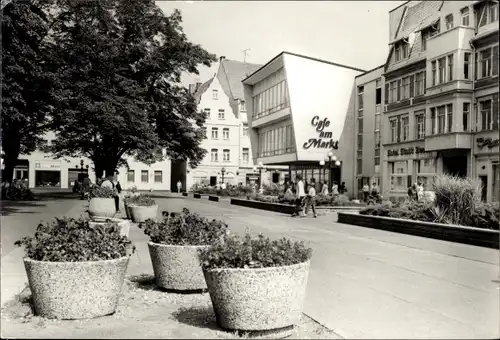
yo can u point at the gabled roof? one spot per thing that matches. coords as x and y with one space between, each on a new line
234 72
202 89
417 17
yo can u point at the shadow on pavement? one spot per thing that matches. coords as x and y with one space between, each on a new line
148 282
203 317
11 207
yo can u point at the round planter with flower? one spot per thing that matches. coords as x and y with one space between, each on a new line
256 284
102 202
74 270
143 208
174 246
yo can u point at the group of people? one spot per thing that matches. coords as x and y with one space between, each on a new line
416 191
371 192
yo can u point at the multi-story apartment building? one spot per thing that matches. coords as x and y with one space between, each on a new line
297 109
366 141
441 95
226 128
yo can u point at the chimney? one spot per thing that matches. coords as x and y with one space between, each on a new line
197 86
222 57
192 88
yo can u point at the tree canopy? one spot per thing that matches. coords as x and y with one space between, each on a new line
26 82
119 66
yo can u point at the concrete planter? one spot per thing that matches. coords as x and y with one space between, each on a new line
196 195
102 207
213 198
127 211
277 207
177 267
141 213
184 194
76 290
258 299
446 232
123 224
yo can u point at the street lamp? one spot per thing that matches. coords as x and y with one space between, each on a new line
223 170
260 167
322 166
81 166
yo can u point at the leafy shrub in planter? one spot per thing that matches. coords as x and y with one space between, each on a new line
272 189
100 192
141 200
74 240
18 193
185 228
486 215
258 252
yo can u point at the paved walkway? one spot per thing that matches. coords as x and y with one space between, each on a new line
363 283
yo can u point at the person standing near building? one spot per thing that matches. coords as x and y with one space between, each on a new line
366 192
179 186
299 197
420 191
110 184
311 198
342 188
324 189
335 189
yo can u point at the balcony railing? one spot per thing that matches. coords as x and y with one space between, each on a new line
271 110
276 152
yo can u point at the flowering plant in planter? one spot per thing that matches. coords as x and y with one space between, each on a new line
100 192
256 284
174 245
76 270
141 200
142 208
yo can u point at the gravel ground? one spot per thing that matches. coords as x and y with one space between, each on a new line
143 312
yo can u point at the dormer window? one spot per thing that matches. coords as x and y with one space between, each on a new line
215 94
397 52
401 50
242 106
487 14
404 48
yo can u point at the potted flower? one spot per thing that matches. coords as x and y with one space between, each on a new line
75 271
174 245
127 201
143 208
107 222
256 284
102 202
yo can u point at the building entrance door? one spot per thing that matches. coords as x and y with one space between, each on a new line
456 166
213 181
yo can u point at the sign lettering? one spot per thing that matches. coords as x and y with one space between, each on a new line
489 142
321 142
406 151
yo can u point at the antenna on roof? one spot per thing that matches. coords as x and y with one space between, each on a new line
245 52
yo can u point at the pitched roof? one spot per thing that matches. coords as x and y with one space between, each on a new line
417 17
202 89
233 73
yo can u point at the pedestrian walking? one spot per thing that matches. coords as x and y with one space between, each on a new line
311 198
366 192
300 195
111 183
335 189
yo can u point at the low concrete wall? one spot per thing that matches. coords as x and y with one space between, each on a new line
213 198
453 233
277 207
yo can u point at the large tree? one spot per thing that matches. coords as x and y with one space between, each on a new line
25 79
119 71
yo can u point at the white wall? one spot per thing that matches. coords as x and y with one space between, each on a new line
317 89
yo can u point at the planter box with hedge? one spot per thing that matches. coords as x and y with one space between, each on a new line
256 284
75 271
174 245
142 208
102 203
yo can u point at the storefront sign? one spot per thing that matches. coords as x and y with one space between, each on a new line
405 151
47 165
489 142
325 140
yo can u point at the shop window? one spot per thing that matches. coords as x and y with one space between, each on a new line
398 175
47 178
158 176
131 176
144 176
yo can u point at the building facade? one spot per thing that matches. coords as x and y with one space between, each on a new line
296 110
441 95
42 170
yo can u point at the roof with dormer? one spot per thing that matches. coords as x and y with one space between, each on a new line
415 19
230 75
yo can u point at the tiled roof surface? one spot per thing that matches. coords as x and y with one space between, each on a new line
234 72
419 16
202 89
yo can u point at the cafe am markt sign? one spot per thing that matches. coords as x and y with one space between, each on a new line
324 140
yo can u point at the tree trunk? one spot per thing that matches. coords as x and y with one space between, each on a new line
10 162
105 165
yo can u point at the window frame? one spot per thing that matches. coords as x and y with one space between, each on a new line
466 116
464 14
225 131
245 152
226 152
216 130
142 176
214 155
467 65
161 176
448 19
129 172
215 94
420 125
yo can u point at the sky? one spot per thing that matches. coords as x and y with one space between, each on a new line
353 33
